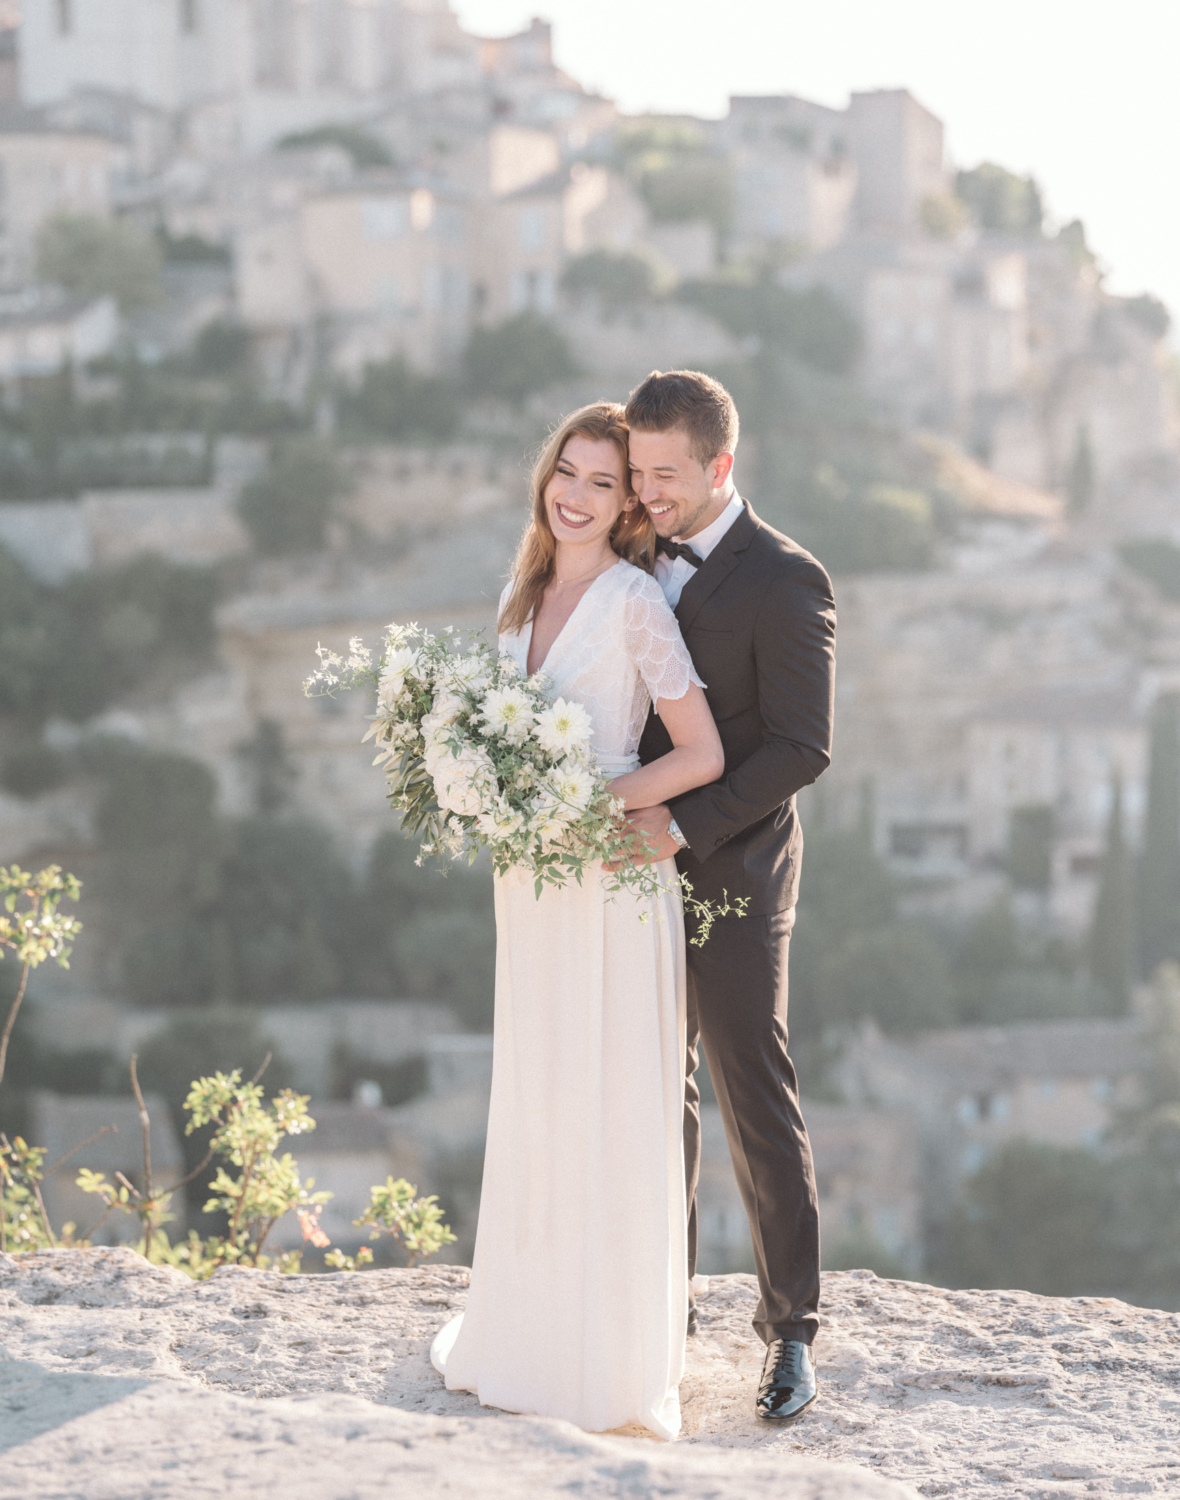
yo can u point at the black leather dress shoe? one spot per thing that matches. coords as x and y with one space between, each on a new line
692 1320
788 1384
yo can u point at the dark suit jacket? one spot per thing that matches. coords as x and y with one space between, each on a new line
759 618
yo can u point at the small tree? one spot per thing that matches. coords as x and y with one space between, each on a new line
36 930
1081 480
287 507
616 279
33 929
393 400
1159 868
517 358
100 257
415 1224
1112 929
1031 830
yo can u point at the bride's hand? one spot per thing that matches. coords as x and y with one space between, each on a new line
651 823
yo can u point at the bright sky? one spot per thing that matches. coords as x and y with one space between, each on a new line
1085 94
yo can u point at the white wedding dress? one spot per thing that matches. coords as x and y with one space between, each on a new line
579 1282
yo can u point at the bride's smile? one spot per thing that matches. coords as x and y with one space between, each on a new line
585 497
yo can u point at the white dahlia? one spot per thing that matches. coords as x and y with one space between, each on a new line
563 729
507 711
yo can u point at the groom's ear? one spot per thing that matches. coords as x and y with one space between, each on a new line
720 469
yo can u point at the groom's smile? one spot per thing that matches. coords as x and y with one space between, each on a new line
680 493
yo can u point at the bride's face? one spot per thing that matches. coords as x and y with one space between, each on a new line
588 492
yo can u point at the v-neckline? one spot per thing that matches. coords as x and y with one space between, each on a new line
556 641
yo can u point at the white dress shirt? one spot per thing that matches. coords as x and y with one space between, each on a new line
672 573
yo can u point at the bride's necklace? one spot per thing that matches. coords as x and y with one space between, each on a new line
580 576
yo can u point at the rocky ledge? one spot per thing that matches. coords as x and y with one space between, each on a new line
120 1381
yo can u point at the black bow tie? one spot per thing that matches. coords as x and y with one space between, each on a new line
678 549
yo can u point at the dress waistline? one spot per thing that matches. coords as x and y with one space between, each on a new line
616 765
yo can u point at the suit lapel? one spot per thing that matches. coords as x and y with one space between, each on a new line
717 567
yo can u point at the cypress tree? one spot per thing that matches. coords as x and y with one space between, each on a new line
1112 931
1081 480
1159 871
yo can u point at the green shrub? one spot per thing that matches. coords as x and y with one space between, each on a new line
616 279
395 401
221 348
286 508
1044 1218
366 149
897 974
100 257
1157 560
517 358
1000 200
31 770
810 325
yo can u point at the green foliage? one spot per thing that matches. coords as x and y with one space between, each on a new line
1112 928
427 933
880 527
810 325
1158 560
366 149
24 1224
394 401
679 178
269 767
285 897
618 280
222 347
1148 313
191 249
1159 865
1081 480
517 358
72 649
32 769
1039 1217
100 257
896 974
415 1224
942 215
1001 201
32 927
286 508
1072 238
1031 831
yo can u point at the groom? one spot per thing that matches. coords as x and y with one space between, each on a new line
758 616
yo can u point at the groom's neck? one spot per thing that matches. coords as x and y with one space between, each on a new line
717 503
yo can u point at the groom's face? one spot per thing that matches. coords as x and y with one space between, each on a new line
679 493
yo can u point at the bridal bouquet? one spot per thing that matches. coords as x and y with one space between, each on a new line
477 755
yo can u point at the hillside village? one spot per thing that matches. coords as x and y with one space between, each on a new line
288 290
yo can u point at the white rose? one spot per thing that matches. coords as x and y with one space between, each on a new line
462 782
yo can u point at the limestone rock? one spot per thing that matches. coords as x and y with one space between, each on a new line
121 1381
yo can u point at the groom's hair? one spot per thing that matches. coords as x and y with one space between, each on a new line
687 401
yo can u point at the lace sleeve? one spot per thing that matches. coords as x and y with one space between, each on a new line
654 642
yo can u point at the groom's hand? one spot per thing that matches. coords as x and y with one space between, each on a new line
651 823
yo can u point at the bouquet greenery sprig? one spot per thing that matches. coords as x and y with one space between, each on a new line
477 755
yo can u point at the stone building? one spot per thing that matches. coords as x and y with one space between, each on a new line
970 1090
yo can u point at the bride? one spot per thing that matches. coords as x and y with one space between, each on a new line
579 1282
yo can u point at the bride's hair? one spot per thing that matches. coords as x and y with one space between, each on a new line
633 536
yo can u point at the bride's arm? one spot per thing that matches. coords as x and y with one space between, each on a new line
696 757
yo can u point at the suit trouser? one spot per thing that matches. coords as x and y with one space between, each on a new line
737 1006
